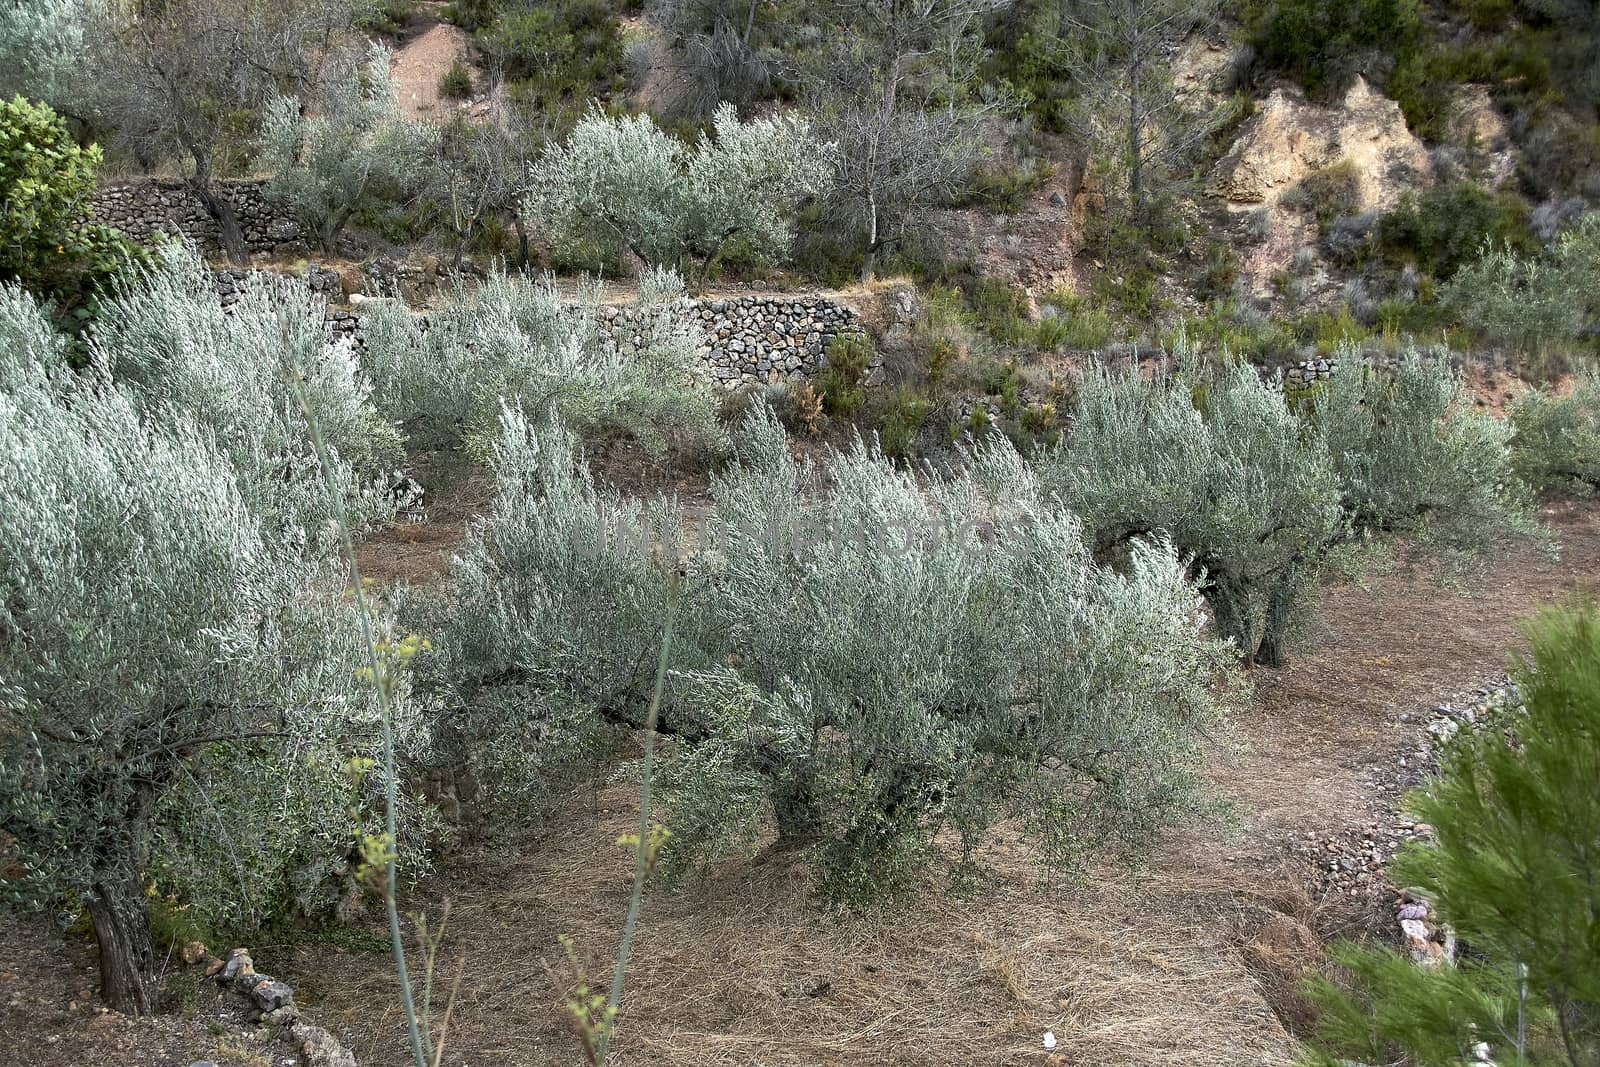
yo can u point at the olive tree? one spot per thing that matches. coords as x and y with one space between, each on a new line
163 334
1555 442
1232 475
1260 494
328 160
861 661
1532 301
444 378
46 49
185 81
178 678
626 182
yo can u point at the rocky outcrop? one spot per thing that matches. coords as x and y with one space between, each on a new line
1481 132
145 208
1289 138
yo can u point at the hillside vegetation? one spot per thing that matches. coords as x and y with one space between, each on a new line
935 465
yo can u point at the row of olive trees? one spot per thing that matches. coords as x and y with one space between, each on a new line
188 711
866 657
861 659
1262 495
182 711
290 89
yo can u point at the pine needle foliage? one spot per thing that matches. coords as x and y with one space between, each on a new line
1514 871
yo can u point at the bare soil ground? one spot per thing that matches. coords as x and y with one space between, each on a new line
1189 959
422 60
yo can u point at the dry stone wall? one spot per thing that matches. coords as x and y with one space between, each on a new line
743 340
145 208
748 339
231 282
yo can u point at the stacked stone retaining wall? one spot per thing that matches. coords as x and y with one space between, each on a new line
148 207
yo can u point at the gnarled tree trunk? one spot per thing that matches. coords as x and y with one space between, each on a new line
121 922
229 233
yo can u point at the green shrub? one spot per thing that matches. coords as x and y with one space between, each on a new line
1221 270
978 421
1006 191
1441 228
1512 870
1259 496
473 15
47 245
1320 43
1077 325
456 83
558 55
902 422
1134 291
998 308
843 380
387 16
942 355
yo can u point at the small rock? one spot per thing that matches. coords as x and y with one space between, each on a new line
239 963
269 995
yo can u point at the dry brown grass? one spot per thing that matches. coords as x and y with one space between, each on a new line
1135 968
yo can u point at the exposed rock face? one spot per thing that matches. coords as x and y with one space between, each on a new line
1289 138
1481 129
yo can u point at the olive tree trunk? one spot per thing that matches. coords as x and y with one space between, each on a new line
121 921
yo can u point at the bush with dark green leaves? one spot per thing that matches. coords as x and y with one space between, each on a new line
47 244
1436 230
1515 873
843 381
1323 44
456 83
558 55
